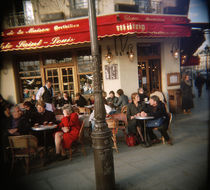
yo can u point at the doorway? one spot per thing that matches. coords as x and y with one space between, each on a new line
63 79
149 67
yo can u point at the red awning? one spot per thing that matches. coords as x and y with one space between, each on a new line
77 31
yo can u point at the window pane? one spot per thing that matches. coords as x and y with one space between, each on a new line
86 82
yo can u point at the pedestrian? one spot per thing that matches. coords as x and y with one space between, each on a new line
45 94
187 95
199 82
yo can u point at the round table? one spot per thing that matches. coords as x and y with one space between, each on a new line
145 133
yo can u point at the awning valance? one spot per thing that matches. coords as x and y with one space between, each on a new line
77 31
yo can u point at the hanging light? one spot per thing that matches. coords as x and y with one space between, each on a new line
175 52
130 52
109 55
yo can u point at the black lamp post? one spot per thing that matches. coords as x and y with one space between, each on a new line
101 136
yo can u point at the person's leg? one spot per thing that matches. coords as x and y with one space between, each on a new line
199 92
58 142
140 133
163 130
151 134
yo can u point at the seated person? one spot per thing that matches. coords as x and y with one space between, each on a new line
5 123
142 95
122 101
80 100
68 131
134 109
43 116
19 124
108 110
66 99
112 99
30 110
157 109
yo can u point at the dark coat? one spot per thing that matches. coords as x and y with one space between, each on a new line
122 101
187 96
41 118
199 81
62 101
157 111
81 102
131 111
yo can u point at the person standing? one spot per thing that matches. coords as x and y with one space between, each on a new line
45 94
187 95
199 82
142 95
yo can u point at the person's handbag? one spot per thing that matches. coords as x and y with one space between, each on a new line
131 140
155 122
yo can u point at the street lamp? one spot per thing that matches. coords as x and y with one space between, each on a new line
101 135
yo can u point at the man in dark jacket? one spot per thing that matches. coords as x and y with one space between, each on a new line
157 109
19 124
45 94
199 82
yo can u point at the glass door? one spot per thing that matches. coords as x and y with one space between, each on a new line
154 75
52 74
67 80
62 79
143 75
149 75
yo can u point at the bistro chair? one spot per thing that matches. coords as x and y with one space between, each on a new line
84 110
124 109
169 128
112 124
25 147
122 122
79 141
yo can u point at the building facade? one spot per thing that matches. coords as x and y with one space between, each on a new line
139 45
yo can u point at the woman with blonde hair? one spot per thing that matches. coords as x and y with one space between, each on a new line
134 109
68 132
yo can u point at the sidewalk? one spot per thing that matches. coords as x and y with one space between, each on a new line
182 166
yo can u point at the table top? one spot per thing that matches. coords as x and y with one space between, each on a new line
89 106
44 127
144 118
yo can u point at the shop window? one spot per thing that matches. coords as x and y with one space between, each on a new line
85 72
85 69
84 63
30 77
149 49
57 59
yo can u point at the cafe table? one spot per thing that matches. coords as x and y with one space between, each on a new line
145 133
44 128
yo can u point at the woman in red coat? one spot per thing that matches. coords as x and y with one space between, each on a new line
68 131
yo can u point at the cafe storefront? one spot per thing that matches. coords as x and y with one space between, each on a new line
61 52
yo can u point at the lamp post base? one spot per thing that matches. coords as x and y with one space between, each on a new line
103 156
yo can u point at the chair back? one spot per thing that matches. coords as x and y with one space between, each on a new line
112 123
120 117
81 131
83 110
23 141
124 109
